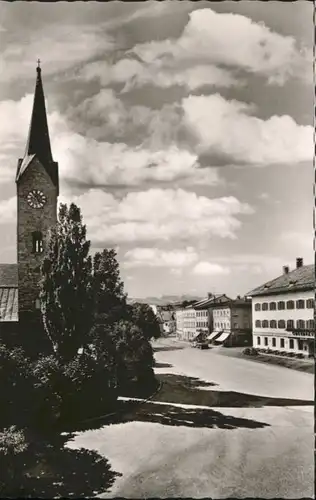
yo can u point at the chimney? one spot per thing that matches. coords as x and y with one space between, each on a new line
286 269
299 262
209 295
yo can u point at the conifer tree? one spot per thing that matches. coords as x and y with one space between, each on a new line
67 284
110 299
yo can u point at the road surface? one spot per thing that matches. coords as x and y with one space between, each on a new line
253 444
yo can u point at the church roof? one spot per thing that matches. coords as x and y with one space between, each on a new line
8 292
38 142
9 303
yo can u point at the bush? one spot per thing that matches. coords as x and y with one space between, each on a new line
13 446
250 351
15 386
77 389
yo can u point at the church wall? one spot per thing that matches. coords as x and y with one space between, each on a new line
30 220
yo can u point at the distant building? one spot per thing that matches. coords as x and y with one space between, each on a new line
283 316
168 321
232 322
196 319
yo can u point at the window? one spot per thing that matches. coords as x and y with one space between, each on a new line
273 342
300 324
290 324
300 304
265 324
258 340
291 343
258 323
265 306
272 306
282 343
281 305
290 304
37 303
265 340
257 307
310 303
281 323
300 345
273 323
310 324
37 242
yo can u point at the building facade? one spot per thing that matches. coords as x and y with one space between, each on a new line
283 311
232 322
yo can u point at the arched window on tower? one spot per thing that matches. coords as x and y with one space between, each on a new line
37 240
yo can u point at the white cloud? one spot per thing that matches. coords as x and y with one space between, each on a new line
135 74
227 127
92 162
159 214
66 45
250 46
8 210
155 257
208 268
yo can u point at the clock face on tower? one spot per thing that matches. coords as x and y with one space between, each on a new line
36 198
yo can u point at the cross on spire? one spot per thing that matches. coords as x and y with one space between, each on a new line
38 65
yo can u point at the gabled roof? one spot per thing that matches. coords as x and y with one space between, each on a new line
302 278
211 301
38 142
8 275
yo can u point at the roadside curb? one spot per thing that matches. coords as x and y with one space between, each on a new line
120 412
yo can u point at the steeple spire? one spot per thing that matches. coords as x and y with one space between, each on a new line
38 142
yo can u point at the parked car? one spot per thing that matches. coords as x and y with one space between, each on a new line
202 345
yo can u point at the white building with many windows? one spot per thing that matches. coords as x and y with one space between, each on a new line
283 311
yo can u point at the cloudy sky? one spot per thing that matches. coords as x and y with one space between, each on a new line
183 131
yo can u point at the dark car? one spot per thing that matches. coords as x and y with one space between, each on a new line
202 345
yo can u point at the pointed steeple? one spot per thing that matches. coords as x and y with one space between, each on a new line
38 142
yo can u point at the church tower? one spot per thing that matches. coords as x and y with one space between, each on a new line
37 194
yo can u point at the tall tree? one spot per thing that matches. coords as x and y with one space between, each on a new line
145 319
110 299
67 284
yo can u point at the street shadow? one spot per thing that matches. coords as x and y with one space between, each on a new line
167 348
188 390
52 470
162 365
185 417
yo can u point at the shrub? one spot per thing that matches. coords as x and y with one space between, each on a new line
250 351
15 386
13 446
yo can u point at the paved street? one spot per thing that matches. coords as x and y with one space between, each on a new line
220 427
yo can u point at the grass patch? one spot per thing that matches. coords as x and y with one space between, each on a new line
292 363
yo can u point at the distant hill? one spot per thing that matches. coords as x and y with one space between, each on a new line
164 299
